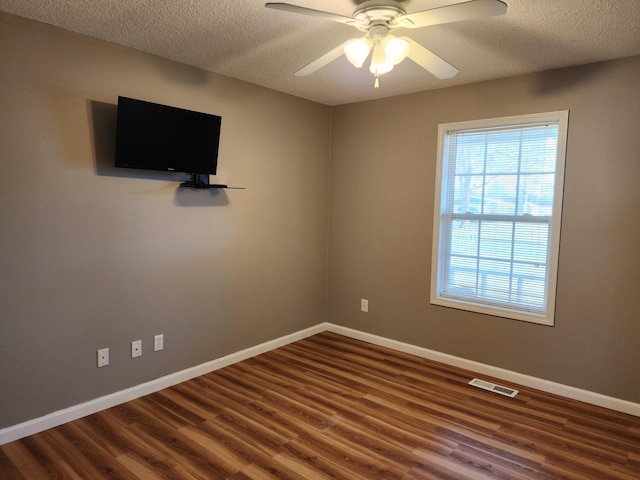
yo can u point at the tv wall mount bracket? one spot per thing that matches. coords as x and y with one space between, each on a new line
201 181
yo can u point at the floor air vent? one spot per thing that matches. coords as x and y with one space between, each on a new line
492 387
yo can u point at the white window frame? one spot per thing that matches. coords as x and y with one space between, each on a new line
440 243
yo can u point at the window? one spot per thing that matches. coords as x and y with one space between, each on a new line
497 215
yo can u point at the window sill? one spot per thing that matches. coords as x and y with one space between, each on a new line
547 320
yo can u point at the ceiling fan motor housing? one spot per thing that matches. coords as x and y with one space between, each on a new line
374 13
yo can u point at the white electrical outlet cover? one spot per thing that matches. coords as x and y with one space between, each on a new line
158 342
364 305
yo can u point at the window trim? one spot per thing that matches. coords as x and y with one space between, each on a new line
548 318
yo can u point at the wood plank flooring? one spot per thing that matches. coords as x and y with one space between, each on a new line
332 407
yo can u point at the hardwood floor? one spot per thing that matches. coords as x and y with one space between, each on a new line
332 407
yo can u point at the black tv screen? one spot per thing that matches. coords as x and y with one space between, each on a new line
159 137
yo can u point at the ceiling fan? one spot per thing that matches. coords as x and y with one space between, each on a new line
378 18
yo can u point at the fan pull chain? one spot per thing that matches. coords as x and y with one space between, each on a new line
376 83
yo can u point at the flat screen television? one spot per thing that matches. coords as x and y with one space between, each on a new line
159 137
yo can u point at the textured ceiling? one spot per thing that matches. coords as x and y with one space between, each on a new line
244 40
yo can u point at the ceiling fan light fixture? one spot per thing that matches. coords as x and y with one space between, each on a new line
379 62
357 51
396 49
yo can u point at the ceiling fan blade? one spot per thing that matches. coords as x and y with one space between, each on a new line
324 60
429 60
334 17
453 13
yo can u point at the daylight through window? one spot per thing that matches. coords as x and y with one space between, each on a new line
497 217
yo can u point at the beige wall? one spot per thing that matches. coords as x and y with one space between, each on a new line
381 211
94 257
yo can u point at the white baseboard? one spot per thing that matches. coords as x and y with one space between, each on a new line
75 412
501 373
